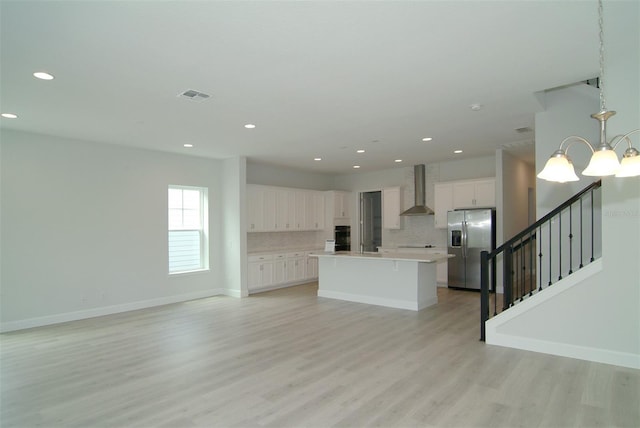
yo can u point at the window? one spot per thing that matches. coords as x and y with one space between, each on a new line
188 244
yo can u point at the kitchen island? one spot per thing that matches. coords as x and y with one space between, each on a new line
396 280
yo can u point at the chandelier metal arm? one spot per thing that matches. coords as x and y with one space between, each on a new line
573 139
624 137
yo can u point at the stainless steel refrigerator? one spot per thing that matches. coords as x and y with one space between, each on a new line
468 233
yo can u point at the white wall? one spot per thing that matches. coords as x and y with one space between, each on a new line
517 177
84 228
287 177
599 318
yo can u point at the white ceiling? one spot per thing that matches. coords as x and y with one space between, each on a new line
318 78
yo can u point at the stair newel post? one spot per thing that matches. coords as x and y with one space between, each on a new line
484 292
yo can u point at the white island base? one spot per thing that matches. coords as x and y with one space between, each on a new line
403 281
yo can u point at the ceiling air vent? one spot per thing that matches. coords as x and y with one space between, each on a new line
193 95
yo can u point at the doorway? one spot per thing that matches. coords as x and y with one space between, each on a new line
370 221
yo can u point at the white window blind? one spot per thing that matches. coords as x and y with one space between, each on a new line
187 229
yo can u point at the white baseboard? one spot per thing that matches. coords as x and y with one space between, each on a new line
390 303
605 356
106 310
231 292
281 285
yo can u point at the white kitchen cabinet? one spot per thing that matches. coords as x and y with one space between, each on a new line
341 204
443 202
474 193
300 220
295 267
451 195
486 193
279 268
280 209
255 209
260 271
269 271
285 204
391 208
269 209
314 210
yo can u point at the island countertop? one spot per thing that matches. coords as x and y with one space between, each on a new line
422 258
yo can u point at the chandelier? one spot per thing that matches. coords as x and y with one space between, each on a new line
604 160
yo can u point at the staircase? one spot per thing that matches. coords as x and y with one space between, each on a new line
559 245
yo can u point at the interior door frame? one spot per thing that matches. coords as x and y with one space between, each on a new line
361 216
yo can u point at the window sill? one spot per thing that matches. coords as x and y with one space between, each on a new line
188 272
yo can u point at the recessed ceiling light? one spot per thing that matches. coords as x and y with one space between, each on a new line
9 115
356 166
317 159
427 139
360 151
457 151
398 160
42 75
475 107
249 126
188 145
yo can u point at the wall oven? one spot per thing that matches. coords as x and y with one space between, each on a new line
342 235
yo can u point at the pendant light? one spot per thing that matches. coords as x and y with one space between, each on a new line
604 161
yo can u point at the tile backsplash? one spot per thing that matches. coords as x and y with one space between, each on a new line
274 241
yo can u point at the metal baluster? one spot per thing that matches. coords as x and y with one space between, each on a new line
531 248
522 269
559 245
570 239
540 258
581 232
550 252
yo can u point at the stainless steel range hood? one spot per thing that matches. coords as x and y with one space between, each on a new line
419 207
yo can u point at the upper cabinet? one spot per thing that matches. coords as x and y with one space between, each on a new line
474 193
480 193
279 209
341 204
391 205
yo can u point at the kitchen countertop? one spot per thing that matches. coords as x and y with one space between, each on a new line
284 251
423 258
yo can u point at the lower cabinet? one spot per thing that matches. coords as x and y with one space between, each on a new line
295 267
278 270
260 271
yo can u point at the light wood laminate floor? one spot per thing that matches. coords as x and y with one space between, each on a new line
290 359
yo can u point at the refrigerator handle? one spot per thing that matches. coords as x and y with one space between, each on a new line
464 239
